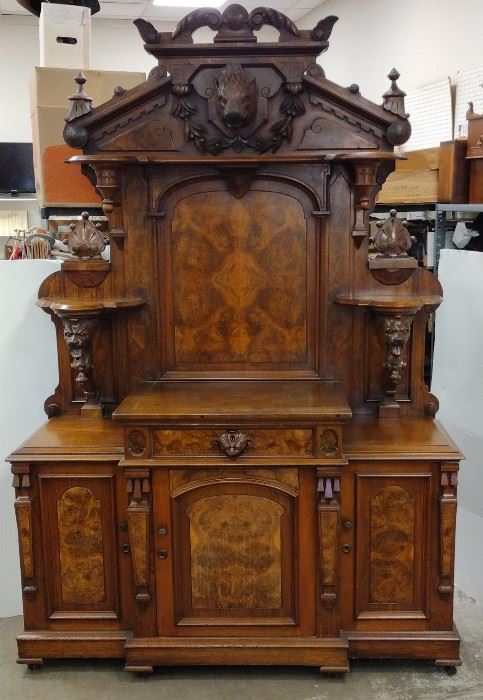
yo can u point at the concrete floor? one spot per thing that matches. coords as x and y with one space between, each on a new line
368 680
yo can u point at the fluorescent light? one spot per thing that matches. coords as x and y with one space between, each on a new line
188 3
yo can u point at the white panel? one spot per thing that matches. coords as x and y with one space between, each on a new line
458 368
468 89
430 114
28 375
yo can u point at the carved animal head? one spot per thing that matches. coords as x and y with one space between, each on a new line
236 97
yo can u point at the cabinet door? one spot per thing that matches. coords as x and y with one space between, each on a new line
242 552
82 568
386 569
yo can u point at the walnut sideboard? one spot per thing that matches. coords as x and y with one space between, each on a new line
241 463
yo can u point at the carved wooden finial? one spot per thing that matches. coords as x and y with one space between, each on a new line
393 99
80 103
392 239
85 239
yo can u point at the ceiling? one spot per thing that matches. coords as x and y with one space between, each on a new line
130 9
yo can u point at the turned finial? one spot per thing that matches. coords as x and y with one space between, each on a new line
80 103
393 99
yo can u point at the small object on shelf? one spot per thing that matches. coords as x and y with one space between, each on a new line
392 265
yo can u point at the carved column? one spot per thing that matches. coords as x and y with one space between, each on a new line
79 327
23 513
448 505
138 514
328 491
365 188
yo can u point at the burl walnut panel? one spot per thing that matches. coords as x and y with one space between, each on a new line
392 513
80 546
234 553
391 561
240 280
79 542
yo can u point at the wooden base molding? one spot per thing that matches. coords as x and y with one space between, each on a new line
329 654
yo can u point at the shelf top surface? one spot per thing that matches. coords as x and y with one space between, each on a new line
235 400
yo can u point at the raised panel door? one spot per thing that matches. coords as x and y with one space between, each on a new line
235 565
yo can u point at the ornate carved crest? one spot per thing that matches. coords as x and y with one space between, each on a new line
232 443
86 239
392 238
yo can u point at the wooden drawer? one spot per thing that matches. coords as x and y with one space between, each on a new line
207 442
304 442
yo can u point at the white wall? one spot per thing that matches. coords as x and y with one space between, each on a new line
28 375
458 383
423 39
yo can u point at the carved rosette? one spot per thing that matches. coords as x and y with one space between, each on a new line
138 519
232 443
23 513
448 505
328 491
397 330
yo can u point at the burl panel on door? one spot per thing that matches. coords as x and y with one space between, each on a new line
241 463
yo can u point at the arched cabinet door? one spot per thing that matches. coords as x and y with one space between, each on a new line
227 551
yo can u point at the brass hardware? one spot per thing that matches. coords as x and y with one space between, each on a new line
162 553
346 548
162 531
348 524
125 548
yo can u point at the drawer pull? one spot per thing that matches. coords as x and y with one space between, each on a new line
162 531
346 548
348 525
232 442
125 548
162 553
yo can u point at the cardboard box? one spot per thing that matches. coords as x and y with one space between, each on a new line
410 187
59 184
415 179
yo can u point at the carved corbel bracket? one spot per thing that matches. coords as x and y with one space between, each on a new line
108 183
138 514
23 513
447 505
392 264
396 329
328 506
365 189
79 327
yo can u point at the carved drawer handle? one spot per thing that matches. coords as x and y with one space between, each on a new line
232 442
